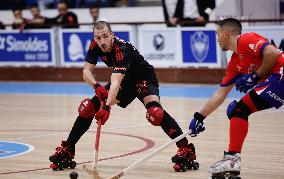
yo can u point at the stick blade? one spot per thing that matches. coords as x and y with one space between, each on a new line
117 176
92 171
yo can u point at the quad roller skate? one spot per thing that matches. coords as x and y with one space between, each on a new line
62 158
228 168
184 159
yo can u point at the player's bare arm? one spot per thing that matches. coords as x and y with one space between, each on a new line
116 79
216 100
270 56
88 74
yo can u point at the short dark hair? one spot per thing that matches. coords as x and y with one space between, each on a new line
34 6
94 6
100 25
62 2
17 9
233 23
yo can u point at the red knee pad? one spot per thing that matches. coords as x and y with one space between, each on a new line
87 109
155 115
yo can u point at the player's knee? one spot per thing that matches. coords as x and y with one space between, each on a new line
238 109
155 113
87 109
231 108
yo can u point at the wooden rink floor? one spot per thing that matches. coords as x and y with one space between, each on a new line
44 120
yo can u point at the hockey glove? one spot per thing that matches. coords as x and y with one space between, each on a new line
247 82
101 92
103 114
196 124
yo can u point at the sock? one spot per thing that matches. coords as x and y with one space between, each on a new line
80 126
238 133
172 129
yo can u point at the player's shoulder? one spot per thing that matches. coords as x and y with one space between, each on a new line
123 45
250 36
120 42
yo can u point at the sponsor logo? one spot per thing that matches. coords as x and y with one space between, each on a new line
120 68
199 44
159 52
252 68
159 42
75 48
254 47
32 44
274 96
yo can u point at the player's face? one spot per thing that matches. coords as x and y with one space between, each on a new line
62 9
18 14
104 38
222 38
94 13
35 11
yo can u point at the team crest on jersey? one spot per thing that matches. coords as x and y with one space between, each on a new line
199 44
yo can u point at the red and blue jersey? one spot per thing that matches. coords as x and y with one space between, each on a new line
249 56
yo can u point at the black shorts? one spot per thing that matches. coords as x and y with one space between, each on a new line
131 88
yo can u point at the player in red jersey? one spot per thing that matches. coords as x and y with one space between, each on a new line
132 77
255 64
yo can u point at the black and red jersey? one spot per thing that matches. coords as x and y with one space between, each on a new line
123 58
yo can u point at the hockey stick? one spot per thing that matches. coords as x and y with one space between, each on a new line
150 155
93 171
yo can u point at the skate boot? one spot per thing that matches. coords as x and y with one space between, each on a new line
228 168
184 159
62 158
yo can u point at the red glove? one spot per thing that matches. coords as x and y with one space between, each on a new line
101 92
103 114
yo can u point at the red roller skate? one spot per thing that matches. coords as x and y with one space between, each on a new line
62 158
185 159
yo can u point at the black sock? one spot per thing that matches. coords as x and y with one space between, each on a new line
172 129
80 126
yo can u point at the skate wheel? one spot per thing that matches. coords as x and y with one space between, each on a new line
234 177
54 166
177 167
195 165
72 164
184 168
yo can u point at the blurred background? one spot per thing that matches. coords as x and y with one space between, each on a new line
47 40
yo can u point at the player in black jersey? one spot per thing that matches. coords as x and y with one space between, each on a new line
131 77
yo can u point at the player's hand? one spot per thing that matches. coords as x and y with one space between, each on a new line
247 82
101 92
196 125
103 114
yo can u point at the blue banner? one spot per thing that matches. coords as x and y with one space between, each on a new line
32 47
76 44
199 46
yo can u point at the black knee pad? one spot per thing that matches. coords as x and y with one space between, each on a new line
241 110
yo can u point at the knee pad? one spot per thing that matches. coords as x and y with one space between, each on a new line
155 113
238 109
231 107
87 109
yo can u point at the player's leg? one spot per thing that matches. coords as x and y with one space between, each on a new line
238 113
148 93
62 158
